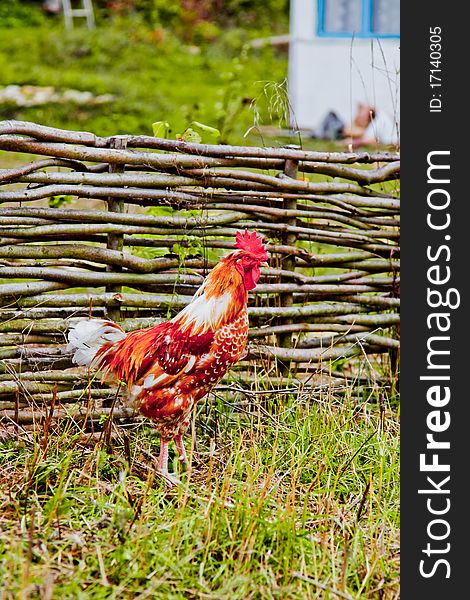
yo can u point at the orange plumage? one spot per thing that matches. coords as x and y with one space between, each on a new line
170 367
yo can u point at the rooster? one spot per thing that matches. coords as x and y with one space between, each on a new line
170 367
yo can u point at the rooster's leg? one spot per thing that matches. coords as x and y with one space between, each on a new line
163 463
181 450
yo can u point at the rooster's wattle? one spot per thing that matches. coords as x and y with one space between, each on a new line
170 367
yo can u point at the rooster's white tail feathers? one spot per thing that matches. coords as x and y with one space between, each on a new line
87 337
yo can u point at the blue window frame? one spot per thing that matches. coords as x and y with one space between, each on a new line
361 18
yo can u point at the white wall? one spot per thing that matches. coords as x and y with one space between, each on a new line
336 73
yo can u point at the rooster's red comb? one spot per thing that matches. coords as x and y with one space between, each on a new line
252 243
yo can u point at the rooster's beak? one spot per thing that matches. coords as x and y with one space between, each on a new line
264 264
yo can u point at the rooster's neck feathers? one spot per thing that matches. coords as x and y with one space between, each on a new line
218 301
225 278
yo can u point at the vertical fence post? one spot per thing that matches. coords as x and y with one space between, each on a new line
115 240
289 239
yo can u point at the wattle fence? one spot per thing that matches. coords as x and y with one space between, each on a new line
128 226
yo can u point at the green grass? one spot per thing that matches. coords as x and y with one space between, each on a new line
290 496
152 78
223 84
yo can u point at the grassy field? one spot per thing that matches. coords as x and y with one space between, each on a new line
292 494
149 76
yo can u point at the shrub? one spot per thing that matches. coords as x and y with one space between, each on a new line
15 13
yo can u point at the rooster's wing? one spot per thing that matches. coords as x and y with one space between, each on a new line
158 355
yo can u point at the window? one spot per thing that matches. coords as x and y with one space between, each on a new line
362 18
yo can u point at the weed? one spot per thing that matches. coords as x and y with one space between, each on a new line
291 495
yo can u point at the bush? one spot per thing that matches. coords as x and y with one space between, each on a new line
188 17
15 13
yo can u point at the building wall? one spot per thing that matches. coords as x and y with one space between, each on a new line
336 73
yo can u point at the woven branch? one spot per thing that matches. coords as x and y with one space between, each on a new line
331 291
61 135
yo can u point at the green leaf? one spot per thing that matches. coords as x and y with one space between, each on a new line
58 201
209 135
193 246
190 135
152 252
160 129
161 211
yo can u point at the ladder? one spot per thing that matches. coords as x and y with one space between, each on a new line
86 10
